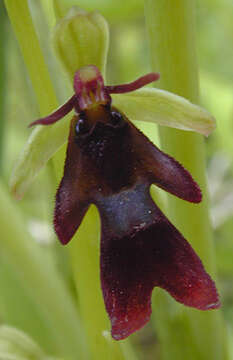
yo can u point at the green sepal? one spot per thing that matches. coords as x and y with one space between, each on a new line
40 147
165 108
80 39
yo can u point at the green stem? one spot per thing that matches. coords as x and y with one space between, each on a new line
3 43
171 30
22 24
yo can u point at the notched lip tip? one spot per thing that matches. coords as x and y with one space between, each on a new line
122 336
214 306
124 333
211 306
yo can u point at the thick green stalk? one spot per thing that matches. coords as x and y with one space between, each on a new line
3 43
22 24
171 30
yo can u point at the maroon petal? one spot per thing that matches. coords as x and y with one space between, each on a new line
69 211
171 176
164 171
71 198
57 114
137 84
141 249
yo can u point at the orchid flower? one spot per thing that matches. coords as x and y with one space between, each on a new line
111 164
79 39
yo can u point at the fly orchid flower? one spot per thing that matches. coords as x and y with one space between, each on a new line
111 164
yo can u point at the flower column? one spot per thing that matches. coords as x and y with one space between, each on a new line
171 31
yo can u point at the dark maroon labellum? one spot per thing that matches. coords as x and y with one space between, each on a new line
111 164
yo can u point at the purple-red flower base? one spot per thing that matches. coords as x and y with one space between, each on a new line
111 164
89 85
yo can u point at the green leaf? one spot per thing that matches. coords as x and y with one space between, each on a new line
165 108
16 345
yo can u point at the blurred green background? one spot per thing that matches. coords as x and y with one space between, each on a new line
129 58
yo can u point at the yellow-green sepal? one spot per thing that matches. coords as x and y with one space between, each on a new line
42 144
165 108
81 39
